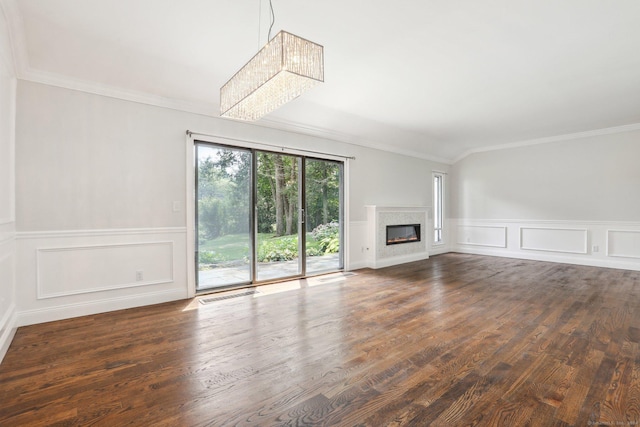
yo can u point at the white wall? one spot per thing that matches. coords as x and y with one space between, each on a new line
96 182
7 191
570 201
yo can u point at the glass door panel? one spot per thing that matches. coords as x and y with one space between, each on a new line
323 213
277 215
223 216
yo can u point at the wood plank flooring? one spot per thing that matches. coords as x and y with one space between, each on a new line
455 340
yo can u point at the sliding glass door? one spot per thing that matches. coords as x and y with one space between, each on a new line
264 216
323 214
223 216
277 216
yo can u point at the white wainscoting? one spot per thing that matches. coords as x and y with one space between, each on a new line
567 240
82 269
8 327
482 235
623 243
358 246
66 274
614 244
8 324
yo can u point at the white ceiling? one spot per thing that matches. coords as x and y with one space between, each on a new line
432 78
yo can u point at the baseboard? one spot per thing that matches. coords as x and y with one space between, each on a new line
557 258
396 260
7 330
50 314
439 250
388 262
357 265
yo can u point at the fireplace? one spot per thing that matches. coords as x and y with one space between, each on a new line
405 233
381 221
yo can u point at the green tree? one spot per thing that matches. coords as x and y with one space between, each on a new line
323 192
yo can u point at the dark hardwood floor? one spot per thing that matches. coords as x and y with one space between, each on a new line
454 340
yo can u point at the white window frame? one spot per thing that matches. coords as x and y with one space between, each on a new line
438 186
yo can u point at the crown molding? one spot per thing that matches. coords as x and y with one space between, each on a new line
344 138
558 138
57 80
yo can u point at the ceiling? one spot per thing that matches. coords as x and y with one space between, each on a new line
431 78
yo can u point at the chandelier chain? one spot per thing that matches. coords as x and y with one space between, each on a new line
273 20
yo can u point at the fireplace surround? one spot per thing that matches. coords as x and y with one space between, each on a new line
379 253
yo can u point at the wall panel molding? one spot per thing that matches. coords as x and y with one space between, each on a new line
72 270
482 235
623 243
565 240
612 244
70 273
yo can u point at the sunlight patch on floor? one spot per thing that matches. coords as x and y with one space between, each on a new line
271 289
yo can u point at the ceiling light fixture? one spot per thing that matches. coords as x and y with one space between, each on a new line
281 71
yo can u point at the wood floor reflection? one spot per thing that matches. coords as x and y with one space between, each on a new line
453 340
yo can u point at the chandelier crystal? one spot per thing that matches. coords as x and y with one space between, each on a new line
283 69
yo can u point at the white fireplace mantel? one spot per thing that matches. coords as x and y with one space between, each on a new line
382 255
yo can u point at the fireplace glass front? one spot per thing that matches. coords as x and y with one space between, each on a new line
405 233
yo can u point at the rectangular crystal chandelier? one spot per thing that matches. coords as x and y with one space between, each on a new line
284 68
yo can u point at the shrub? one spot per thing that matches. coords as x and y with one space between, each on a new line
208 259
278 249
328 237
314 251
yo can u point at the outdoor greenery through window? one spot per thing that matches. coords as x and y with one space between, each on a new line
263 215
438 208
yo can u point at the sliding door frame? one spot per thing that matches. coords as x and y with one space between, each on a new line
190 218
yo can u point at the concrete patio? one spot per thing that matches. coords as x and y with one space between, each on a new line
267 271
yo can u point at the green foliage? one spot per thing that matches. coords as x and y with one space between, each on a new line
322 192
283 248
227 248
328 236
210 257
223 192
234 248
314 250
224 251
224 199
331 244
323 231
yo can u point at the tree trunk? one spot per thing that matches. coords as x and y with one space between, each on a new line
280 194
290 209
291 196
325 196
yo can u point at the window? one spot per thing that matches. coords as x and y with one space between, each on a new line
438 207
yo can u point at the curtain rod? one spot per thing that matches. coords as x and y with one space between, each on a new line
190 133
